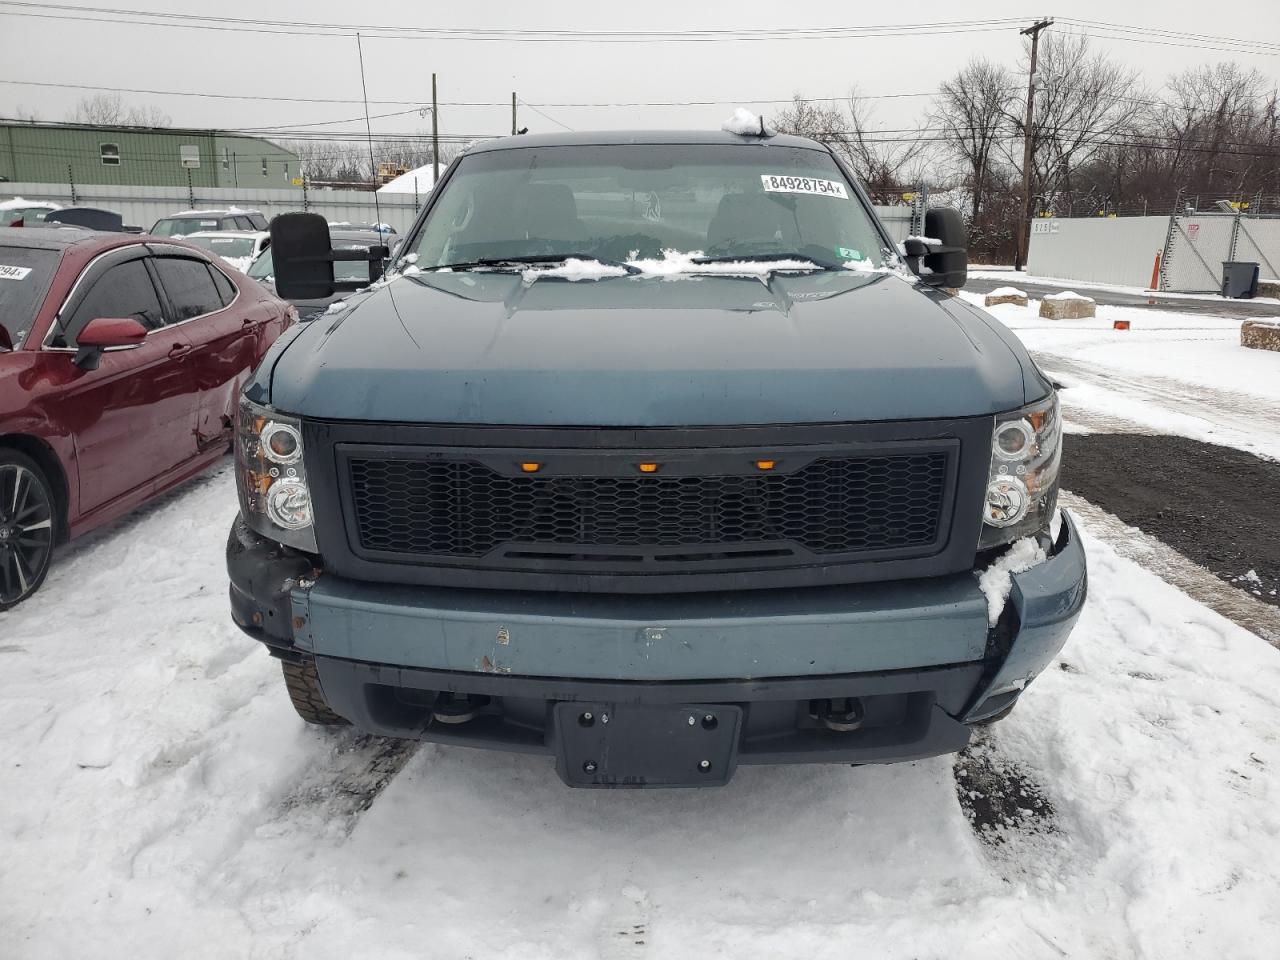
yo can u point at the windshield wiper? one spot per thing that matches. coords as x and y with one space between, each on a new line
769 258
536 258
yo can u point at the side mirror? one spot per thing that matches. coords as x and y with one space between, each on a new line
103 333
302 258
941 259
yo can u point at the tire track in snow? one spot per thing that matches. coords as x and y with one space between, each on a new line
353 775
1245 416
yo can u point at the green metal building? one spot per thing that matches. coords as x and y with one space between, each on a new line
144 156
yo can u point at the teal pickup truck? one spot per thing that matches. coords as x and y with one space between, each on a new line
655 454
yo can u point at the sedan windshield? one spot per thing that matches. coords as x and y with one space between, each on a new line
264 269
622 203
181 226
24 278
225 246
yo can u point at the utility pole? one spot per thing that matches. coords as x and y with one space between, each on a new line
435 133
1024 226
513 113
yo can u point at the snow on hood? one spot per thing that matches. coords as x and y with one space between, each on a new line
747 124
424 177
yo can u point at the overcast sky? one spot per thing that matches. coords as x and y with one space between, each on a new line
249 64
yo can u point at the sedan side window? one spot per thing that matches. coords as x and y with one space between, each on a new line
124 290
189 286
226 289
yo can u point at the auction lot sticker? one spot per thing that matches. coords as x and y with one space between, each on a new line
783 183
13 273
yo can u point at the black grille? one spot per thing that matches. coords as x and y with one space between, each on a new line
464 509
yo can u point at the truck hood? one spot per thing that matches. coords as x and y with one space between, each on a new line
494 348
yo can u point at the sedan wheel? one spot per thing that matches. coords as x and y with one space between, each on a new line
26 528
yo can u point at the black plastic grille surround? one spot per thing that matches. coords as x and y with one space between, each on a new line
420 508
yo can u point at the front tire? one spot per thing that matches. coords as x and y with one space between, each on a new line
28 527
303 684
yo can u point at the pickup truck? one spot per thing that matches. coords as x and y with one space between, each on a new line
655 454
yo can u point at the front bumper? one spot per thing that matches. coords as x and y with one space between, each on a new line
487 668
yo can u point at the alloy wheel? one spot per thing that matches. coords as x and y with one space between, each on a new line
26 532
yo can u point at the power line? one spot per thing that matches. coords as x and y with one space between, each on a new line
457 103
313 28
1101 29
546 117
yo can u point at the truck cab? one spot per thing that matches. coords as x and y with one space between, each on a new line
654 453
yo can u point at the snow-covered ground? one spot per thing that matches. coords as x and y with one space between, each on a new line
1173 372
159 798
986 272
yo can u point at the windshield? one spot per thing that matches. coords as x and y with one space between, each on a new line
225 246
181 226
25 214
24 278
628 202
263 269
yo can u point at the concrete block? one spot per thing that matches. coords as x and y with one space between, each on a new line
1260 335
1269 288
1067 306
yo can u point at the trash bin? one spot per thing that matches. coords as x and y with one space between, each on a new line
1239 279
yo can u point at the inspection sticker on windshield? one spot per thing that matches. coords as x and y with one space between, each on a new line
13 273
781 183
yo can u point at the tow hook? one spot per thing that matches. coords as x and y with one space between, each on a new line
841 714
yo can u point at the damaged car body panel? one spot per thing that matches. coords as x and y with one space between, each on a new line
649 454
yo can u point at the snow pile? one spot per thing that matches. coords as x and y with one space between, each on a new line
213 213
1067 295
927 241
747 124
996 581
17 203
675 262
420 179
1007 292
573 270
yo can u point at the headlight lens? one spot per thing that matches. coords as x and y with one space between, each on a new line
1022 488
271 478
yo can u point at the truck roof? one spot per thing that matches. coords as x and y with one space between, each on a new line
621 137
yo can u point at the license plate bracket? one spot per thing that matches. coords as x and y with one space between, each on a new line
646 745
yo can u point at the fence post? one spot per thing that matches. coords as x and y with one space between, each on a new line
71 181
304 193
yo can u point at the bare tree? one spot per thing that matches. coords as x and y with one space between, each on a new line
972 113
109 109
1084 103
884 164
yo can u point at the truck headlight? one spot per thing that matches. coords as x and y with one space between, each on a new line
271 478
1022 488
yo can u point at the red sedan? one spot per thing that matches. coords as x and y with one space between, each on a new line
121 359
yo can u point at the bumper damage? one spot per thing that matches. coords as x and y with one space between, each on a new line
692 685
